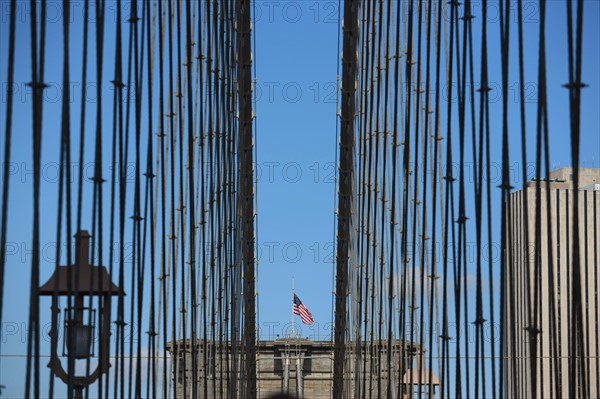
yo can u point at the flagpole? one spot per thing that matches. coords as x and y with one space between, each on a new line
293 329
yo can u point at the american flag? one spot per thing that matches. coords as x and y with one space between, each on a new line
302 311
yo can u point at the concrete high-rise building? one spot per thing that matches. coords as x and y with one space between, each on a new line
539 287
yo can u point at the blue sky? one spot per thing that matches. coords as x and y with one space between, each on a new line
296 58
297 55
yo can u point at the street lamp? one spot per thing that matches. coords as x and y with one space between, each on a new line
78 340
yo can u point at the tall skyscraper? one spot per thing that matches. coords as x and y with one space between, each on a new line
546 352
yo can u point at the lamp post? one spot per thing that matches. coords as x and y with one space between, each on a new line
79 281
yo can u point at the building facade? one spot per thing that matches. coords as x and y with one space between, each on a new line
298 366
539 288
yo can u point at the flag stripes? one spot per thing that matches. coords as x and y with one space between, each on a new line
302 311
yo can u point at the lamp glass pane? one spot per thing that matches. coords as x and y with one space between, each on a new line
79 341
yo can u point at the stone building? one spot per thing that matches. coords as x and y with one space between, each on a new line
300 367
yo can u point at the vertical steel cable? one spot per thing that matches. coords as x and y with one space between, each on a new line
485 90
542 122
461 264
533 329
117 142
7 152
81 151
483 128
335 188
246 194
406 172
596 223
449 180
384 130
38 85
139 221
65 152
163 201
97 211
361 315
7 148
181 198
415 196
426 136
346 188
202 56
370 257
577 366
506 236
436 138
192 214
149 219
179 348
376 263
63 185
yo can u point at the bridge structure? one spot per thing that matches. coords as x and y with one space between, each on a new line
415 195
